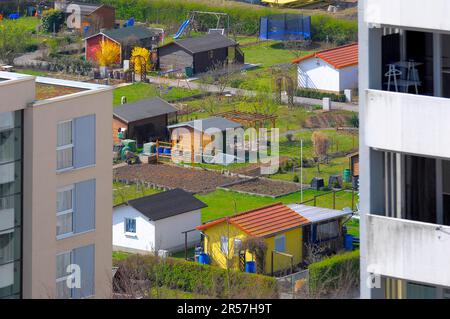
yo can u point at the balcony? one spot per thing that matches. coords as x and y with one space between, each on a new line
407 123
408 250
409 13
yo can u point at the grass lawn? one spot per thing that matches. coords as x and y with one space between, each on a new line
32 72
139 91
28 23
353 227
118 256
224 203
123 193
268 53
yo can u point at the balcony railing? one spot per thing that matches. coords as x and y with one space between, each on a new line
409 13
408 250
407 123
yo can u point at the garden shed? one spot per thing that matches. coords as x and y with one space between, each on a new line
332 70
143 121
157 222
199 54
94 17
127 38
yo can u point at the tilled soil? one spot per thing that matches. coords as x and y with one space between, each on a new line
266 187
170 176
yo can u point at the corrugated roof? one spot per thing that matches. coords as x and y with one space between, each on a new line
212 122
143 109
133 33
340 57
263 222
207 42
167 204
317 214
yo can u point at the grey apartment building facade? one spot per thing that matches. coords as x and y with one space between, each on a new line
405 148
55 188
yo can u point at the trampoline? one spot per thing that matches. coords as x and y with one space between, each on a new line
285 27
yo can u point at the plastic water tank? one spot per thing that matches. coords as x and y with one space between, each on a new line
348 242
203 258
250 267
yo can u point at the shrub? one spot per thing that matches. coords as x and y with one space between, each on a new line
314 94
295 179
196 278
337 272
52 20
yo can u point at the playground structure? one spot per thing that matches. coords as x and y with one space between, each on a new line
193 20
285 27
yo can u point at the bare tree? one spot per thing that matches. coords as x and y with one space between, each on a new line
321 144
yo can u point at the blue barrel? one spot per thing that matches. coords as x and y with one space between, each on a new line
167 151
348 242
161 150
203 258
250 267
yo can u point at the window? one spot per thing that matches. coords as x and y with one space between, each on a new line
280 243
224 244
64 211
327 230
130 225
237 246
64 149
63 291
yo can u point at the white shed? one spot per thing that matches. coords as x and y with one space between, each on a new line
157 222
333 70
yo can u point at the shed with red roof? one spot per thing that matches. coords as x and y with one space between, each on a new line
332 70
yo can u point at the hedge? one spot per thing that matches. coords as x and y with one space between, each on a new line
329 274
200 279
244 19
314 94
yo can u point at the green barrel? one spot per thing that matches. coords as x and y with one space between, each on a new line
347 176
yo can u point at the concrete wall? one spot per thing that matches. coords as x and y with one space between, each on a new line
169 231
409 250
348 78
17 92
319 75
407 123
409 13
41 183
144 241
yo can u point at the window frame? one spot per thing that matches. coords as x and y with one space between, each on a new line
282 236
67 211
319 234
64 278
237 248
65 146
222 242
130 233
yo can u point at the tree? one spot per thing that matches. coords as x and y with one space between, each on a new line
108 53
321 143
13 40
138 56
52 20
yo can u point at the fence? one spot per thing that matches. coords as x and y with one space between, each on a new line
289 286
334 202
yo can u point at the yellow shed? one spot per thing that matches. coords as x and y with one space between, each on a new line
277 226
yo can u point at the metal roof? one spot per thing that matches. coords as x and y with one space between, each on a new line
167 204
219 123
317 214
134 33
143 109
263 222
207 42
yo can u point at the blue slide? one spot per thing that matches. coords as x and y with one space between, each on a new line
182 27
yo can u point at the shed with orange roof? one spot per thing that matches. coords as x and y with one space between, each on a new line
277 225
332 70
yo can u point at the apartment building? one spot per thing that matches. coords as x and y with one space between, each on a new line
55 188
405 148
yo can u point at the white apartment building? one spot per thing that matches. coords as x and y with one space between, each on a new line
404 85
